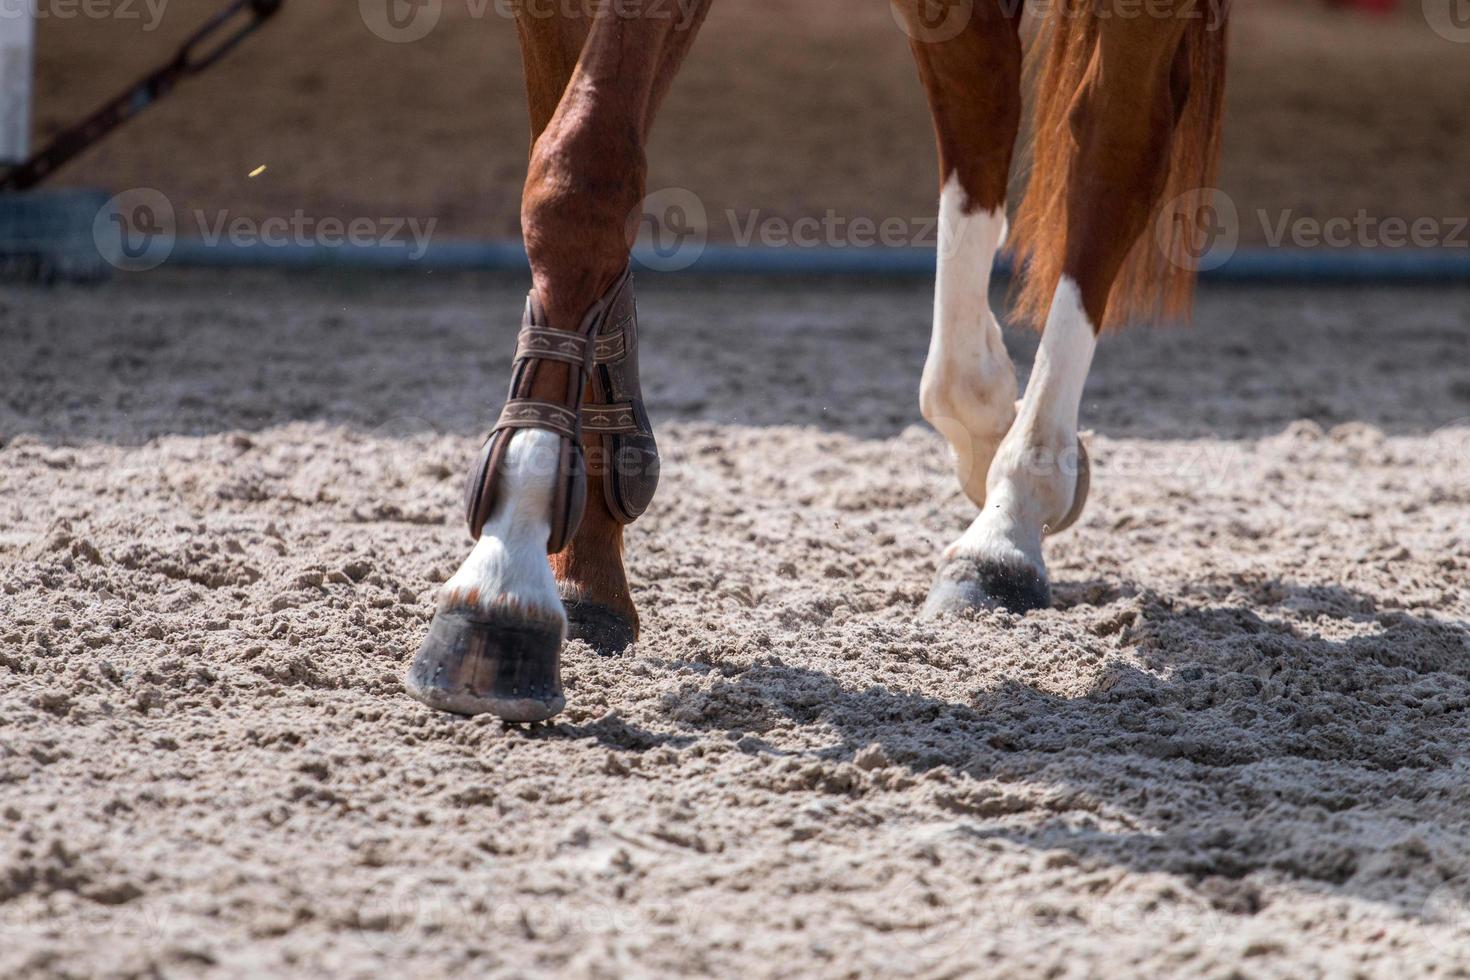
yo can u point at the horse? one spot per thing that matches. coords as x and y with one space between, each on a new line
1125 119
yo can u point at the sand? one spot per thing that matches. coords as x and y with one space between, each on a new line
1236 747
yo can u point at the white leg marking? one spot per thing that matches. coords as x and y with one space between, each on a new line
1034 475
508 570
968 391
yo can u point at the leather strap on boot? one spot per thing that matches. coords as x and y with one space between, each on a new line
615 412
603 351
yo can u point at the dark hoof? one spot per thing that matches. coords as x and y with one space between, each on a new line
596 625
472 666
964 584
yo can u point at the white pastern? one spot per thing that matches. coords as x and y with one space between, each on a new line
968 392
508 569
1034 475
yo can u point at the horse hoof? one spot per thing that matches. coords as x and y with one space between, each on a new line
965 584
598 626
473 666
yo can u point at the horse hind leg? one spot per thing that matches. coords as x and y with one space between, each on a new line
1121 119
972 81
494 645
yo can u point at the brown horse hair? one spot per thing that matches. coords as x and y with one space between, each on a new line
1156 282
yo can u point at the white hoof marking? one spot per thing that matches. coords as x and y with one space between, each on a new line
1033 478
508 569
968 390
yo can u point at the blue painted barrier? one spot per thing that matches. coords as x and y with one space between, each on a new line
72 233
1246 265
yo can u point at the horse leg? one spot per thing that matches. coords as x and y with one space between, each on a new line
497 633
1122 120
973 84
590 579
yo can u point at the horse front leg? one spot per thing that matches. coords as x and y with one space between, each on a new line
572 458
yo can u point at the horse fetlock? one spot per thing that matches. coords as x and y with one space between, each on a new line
507 570
973 415
494 644
996 563
1044 480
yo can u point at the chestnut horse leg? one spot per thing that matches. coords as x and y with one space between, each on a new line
594 85
973 83
1122 120
589 573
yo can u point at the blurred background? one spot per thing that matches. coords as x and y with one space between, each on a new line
791 109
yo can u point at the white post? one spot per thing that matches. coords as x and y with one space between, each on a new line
17 46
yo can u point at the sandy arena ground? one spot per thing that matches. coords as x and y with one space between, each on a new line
1237 747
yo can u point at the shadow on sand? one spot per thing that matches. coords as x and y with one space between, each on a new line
1226 742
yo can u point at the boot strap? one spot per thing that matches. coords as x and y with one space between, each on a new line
601 356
